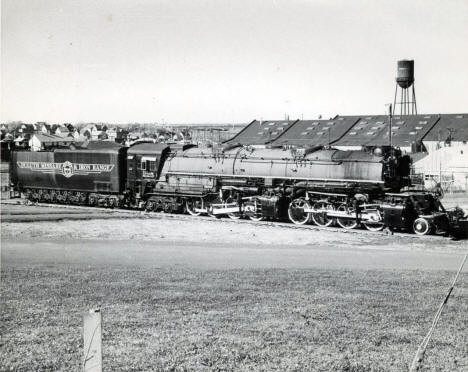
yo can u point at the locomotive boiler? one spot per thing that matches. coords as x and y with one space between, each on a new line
278 183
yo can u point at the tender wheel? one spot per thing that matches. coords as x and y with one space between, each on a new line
421 226
41 196
114 203
148 207
29 197
296 211
92 200
191 204
82 199
320 217
346 223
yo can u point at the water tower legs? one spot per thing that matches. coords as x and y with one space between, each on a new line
405 98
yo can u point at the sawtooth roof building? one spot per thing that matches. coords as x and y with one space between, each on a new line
359 130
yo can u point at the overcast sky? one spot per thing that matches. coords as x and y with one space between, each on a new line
226 61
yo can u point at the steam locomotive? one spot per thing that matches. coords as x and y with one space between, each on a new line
323 185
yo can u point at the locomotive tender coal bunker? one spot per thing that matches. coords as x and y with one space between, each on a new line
92 176
321 185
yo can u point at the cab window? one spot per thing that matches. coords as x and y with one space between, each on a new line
148 165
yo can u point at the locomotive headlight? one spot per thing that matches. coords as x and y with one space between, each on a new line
378 151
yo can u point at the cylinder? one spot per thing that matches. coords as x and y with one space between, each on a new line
405 73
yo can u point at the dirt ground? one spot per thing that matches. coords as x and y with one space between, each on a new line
203 294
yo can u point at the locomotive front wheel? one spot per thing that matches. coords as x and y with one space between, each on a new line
191 204
421 226
296 211
346 223
320 217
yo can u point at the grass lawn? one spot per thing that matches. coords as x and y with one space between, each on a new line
179 319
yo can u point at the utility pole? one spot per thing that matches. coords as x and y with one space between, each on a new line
390 134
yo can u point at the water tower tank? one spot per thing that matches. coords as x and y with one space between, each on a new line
405 73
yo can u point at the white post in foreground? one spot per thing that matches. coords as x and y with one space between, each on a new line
92 336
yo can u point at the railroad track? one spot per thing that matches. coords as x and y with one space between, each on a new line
183 217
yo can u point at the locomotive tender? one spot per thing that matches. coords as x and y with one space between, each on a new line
320 184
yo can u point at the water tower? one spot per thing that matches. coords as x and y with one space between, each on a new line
405 96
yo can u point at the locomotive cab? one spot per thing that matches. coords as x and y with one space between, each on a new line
144 164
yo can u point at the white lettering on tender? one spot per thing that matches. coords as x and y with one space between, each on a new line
66 169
